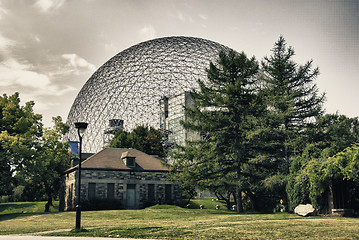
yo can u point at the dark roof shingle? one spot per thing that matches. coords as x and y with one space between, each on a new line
111 159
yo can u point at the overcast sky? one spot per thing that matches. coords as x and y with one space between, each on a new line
49 48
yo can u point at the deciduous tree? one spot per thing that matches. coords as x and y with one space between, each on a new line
20 132
330 135
41 176
145 139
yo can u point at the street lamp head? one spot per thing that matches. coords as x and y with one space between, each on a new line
81 127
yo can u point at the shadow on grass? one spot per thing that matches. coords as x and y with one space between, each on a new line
124 232
9 216
76 230
6 206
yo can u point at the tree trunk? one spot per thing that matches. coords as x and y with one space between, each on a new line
48 204
330 197
253 200
228 200
239 201
190 198
238 195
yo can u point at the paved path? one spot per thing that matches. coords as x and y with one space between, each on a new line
37 235
29 237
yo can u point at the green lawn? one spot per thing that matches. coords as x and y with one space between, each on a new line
170 222
25 207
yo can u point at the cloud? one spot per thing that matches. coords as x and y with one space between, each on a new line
20 76
203 17
5 43
3 11
48 5
147 32
77 63
182 17
16 73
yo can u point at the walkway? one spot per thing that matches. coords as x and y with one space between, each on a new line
35 237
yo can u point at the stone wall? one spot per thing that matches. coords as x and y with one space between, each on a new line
121 180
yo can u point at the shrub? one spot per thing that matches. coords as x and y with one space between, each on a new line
101 204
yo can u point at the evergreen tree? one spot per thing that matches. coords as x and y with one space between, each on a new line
292 95
229 111
294 100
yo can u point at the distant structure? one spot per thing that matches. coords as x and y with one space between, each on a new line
172 113
130 87
115 125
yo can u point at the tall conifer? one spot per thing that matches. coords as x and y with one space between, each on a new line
227 112
292 94
294 101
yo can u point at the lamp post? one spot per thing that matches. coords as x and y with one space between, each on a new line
81 127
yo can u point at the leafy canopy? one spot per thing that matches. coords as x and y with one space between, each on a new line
145 139
20 133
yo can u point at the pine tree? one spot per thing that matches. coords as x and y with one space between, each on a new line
292 95
228 110
294 101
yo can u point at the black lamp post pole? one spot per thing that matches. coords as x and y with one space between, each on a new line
81 127
78 206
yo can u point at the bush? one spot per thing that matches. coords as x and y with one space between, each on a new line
100 204
4 199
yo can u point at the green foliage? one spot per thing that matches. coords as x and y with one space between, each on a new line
101 204
320 172
293 99
145 139
331 134
20 132
41 175
230 113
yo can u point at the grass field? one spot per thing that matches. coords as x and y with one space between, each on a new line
170 222
25 207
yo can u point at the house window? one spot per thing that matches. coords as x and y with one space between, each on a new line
151 192
168 193
128 159
130 162
110 190
92 190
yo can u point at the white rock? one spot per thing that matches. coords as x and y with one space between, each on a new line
305 210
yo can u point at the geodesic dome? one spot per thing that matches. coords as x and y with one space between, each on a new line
130 85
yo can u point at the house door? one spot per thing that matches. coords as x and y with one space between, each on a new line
131 196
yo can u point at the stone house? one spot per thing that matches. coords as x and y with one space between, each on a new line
131 177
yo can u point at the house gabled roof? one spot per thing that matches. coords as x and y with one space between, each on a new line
112 159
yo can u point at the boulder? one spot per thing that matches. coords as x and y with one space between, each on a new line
305 210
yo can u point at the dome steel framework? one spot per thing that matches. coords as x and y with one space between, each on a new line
130 85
